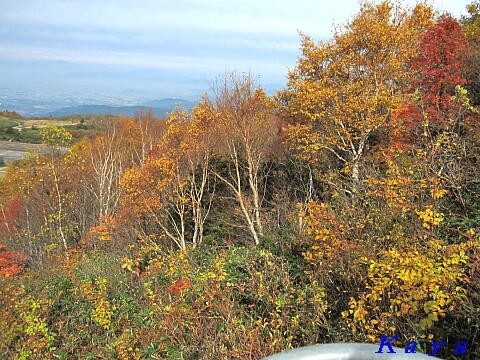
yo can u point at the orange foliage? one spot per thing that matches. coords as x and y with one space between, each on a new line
104 230
179 287
10 262
9 214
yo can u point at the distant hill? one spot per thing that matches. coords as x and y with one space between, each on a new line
10 115
160 108
169 103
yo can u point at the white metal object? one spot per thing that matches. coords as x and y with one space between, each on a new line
347 351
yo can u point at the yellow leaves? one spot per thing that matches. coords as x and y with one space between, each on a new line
217 273
126 346
438 193
34 330
96 293
141 190
50 247
177 265
357 310
318 217
413 284
304 141
344 90
430 217
472 26
128 264
165 178
55 136
402 190
461 95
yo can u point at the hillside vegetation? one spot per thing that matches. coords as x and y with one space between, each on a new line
28 130
343 209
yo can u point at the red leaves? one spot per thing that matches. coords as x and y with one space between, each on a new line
441 56
405 121
10 213
440 67
179 286
10 262
154 152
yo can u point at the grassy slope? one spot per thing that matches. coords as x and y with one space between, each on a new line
7 123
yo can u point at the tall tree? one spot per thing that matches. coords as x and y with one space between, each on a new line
173 182
471 27
57 140
246 131
440 69
433 116
342 92
150 130
101 162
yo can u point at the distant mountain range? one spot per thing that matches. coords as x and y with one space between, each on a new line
160 108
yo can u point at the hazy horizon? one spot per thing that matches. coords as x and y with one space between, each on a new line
155 49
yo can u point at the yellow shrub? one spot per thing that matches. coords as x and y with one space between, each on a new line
96 293
415 287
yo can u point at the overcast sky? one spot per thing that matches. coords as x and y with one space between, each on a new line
173 48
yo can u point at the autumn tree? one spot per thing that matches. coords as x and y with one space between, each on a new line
197 156
9 212
18 187
101 161
173 184
37 201
439 68
342 92
150 130
246 132
57 139
432 120
471 27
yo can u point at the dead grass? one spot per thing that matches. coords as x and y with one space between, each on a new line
46 122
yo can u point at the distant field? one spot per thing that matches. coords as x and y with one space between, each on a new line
28 123
19 147
29 130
